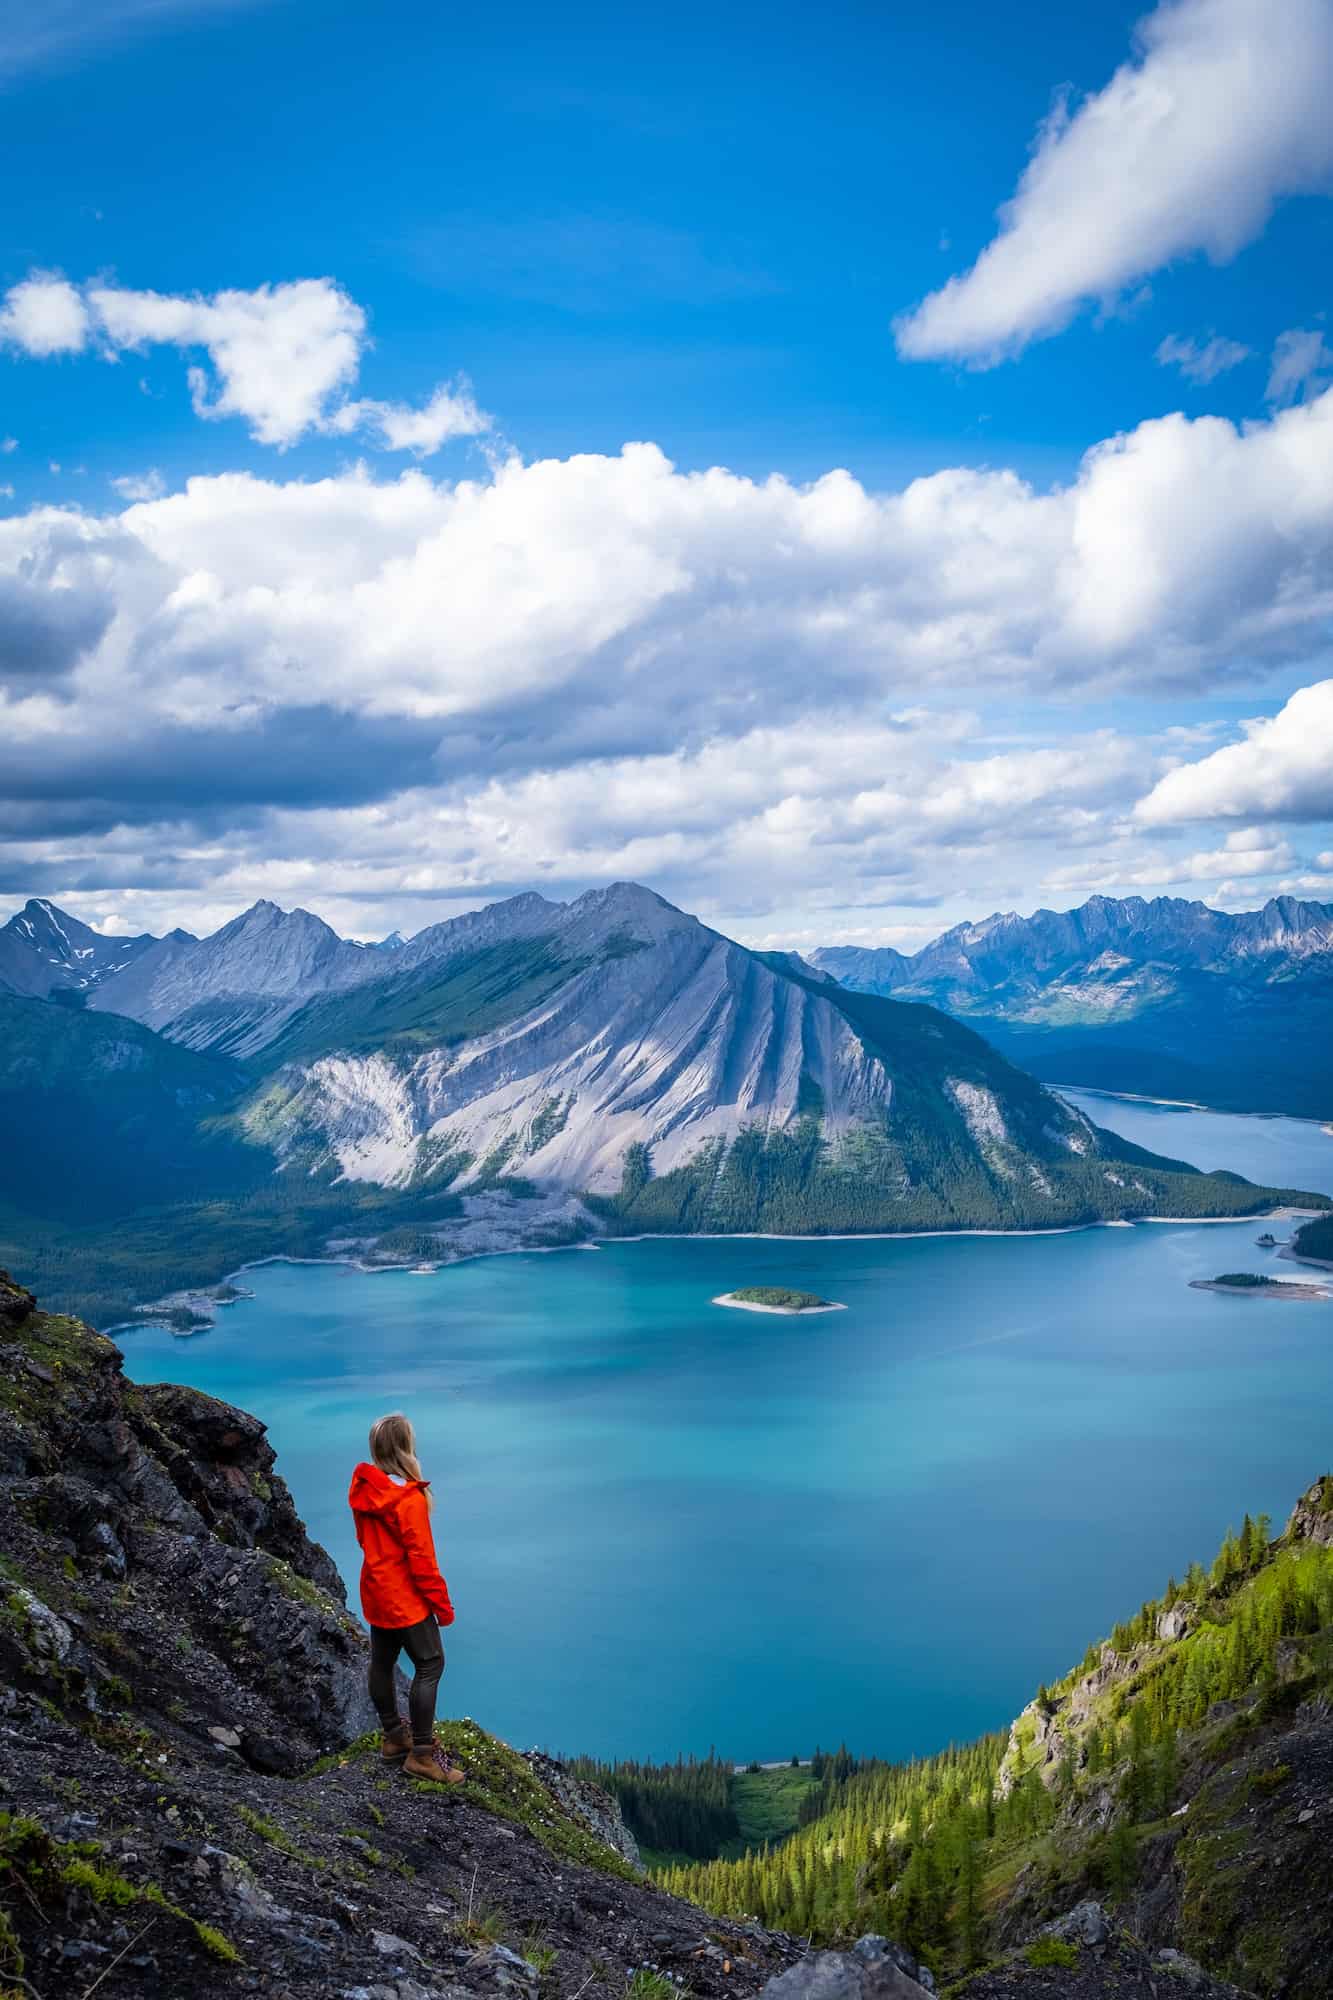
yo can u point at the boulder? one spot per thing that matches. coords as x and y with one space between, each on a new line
874 1969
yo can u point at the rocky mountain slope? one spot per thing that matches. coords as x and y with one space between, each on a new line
530 1073
1165 997
231 992
44 951
189 1805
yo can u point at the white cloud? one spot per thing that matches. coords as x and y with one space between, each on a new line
9 444
451 413
1302 363
830 810
1282 771
1201 361
1223 111
44 315
574 669
278 354
281 357
148 485
616 601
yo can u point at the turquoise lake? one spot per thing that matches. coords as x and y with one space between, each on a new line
667 1525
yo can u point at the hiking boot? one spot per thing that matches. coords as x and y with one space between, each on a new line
428 1762
395 1743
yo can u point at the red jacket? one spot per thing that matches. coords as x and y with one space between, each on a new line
400 1579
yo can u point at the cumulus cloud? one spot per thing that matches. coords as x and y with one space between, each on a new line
593 605
44 315
277 354
281 357
44 632
1201 361
1283 770
571 669
1222 111
1302 364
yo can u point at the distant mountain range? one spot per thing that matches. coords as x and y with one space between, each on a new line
607 1065
1165 998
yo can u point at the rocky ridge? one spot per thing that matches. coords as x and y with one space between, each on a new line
190 1800
44 951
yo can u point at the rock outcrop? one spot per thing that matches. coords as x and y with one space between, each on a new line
191 1803
1083 1956
157 1514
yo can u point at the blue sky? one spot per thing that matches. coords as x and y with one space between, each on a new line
710 229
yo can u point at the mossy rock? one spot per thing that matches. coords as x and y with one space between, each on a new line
503 1782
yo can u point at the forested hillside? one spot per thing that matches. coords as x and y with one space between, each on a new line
1182 1772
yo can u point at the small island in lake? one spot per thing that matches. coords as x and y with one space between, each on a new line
1267 1241
1246 1284
777 1299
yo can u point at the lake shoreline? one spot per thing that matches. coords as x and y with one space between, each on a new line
152 1315
196 1297
1186 1104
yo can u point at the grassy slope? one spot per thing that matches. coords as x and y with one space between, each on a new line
435 1007
768 1805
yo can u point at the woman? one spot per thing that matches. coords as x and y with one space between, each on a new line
403 1595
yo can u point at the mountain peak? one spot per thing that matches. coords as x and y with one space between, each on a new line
625 907
44 950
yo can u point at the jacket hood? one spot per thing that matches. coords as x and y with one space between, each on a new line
373 1492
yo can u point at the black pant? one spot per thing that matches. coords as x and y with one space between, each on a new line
424 1650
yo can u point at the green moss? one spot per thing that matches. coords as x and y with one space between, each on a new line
277 1836
299 1588
217 1945
502 1782
1052 1951
104 1885
41 1867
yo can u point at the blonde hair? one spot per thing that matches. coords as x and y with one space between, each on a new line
393 1446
